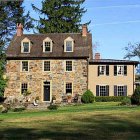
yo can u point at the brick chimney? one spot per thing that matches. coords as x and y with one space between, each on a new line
97 56
84 30
19 29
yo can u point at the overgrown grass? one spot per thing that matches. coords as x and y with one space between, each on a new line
91 121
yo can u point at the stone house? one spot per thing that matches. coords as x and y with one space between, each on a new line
60 64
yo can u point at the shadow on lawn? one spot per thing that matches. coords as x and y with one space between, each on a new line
105 127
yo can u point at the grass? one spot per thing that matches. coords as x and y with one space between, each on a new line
92 121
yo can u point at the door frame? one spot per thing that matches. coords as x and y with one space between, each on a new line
43 90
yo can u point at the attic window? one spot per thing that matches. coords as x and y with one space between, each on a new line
25 45
68 45
47 45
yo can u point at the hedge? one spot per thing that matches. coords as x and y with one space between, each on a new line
109 98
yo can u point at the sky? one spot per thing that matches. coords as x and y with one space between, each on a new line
114 24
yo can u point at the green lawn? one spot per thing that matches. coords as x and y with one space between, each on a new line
84 122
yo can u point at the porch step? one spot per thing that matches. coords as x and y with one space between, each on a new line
39 106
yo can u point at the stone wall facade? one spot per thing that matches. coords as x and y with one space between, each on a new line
35 77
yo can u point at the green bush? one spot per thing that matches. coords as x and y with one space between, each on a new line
135 98
87 97
109 98
18 109
126 101
53 107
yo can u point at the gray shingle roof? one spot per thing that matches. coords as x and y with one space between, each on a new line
112 61
82 46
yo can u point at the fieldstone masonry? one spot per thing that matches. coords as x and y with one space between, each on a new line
36 76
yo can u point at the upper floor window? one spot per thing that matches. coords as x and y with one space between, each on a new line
120 70
68 65
25 45
46 65
102 90
47 45
120 90
103 70
24 65
68 45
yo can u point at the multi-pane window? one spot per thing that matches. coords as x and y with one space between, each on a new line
68 46
24 65
46 65
102 90
120 90
68 88
47 46
68 65
103 70
120 70
25 47
24 87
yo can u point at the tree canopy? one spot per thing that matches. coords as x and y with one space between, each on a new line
60 16
11 13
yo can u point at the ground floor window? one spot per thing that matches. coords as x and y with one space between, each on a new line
120 90
68 88
24 87
102 90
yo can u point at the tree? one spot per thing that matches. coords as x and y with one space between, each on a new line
60 16
11 13
133 50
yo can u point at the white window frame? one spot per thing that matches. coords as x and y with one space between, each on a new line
22 46
122 70
68 39
21 86
66 66
44 65
22 66
65 87
100 89
118 88
51 44
100 70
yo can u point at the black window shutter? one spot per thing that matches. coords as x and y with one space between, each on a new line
107 90
115 90
125 90
125 70
97 90
98 70
107 70
115 70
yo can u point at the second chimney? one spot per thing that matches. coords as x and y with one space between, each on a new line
84 30
19 29
97 56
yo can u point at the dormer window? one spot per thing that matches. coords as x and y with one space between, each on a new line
68 45
25 45
47 45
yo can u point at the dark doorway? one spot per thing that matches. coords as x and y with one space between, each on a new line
46 91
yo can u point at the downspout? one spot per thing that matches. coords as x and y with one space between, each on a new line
133 79
87 71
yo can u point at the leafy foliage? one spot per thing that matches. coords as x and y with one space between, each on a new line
60 16
53 107
126 101
109 98
11 13
135 98
87 97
